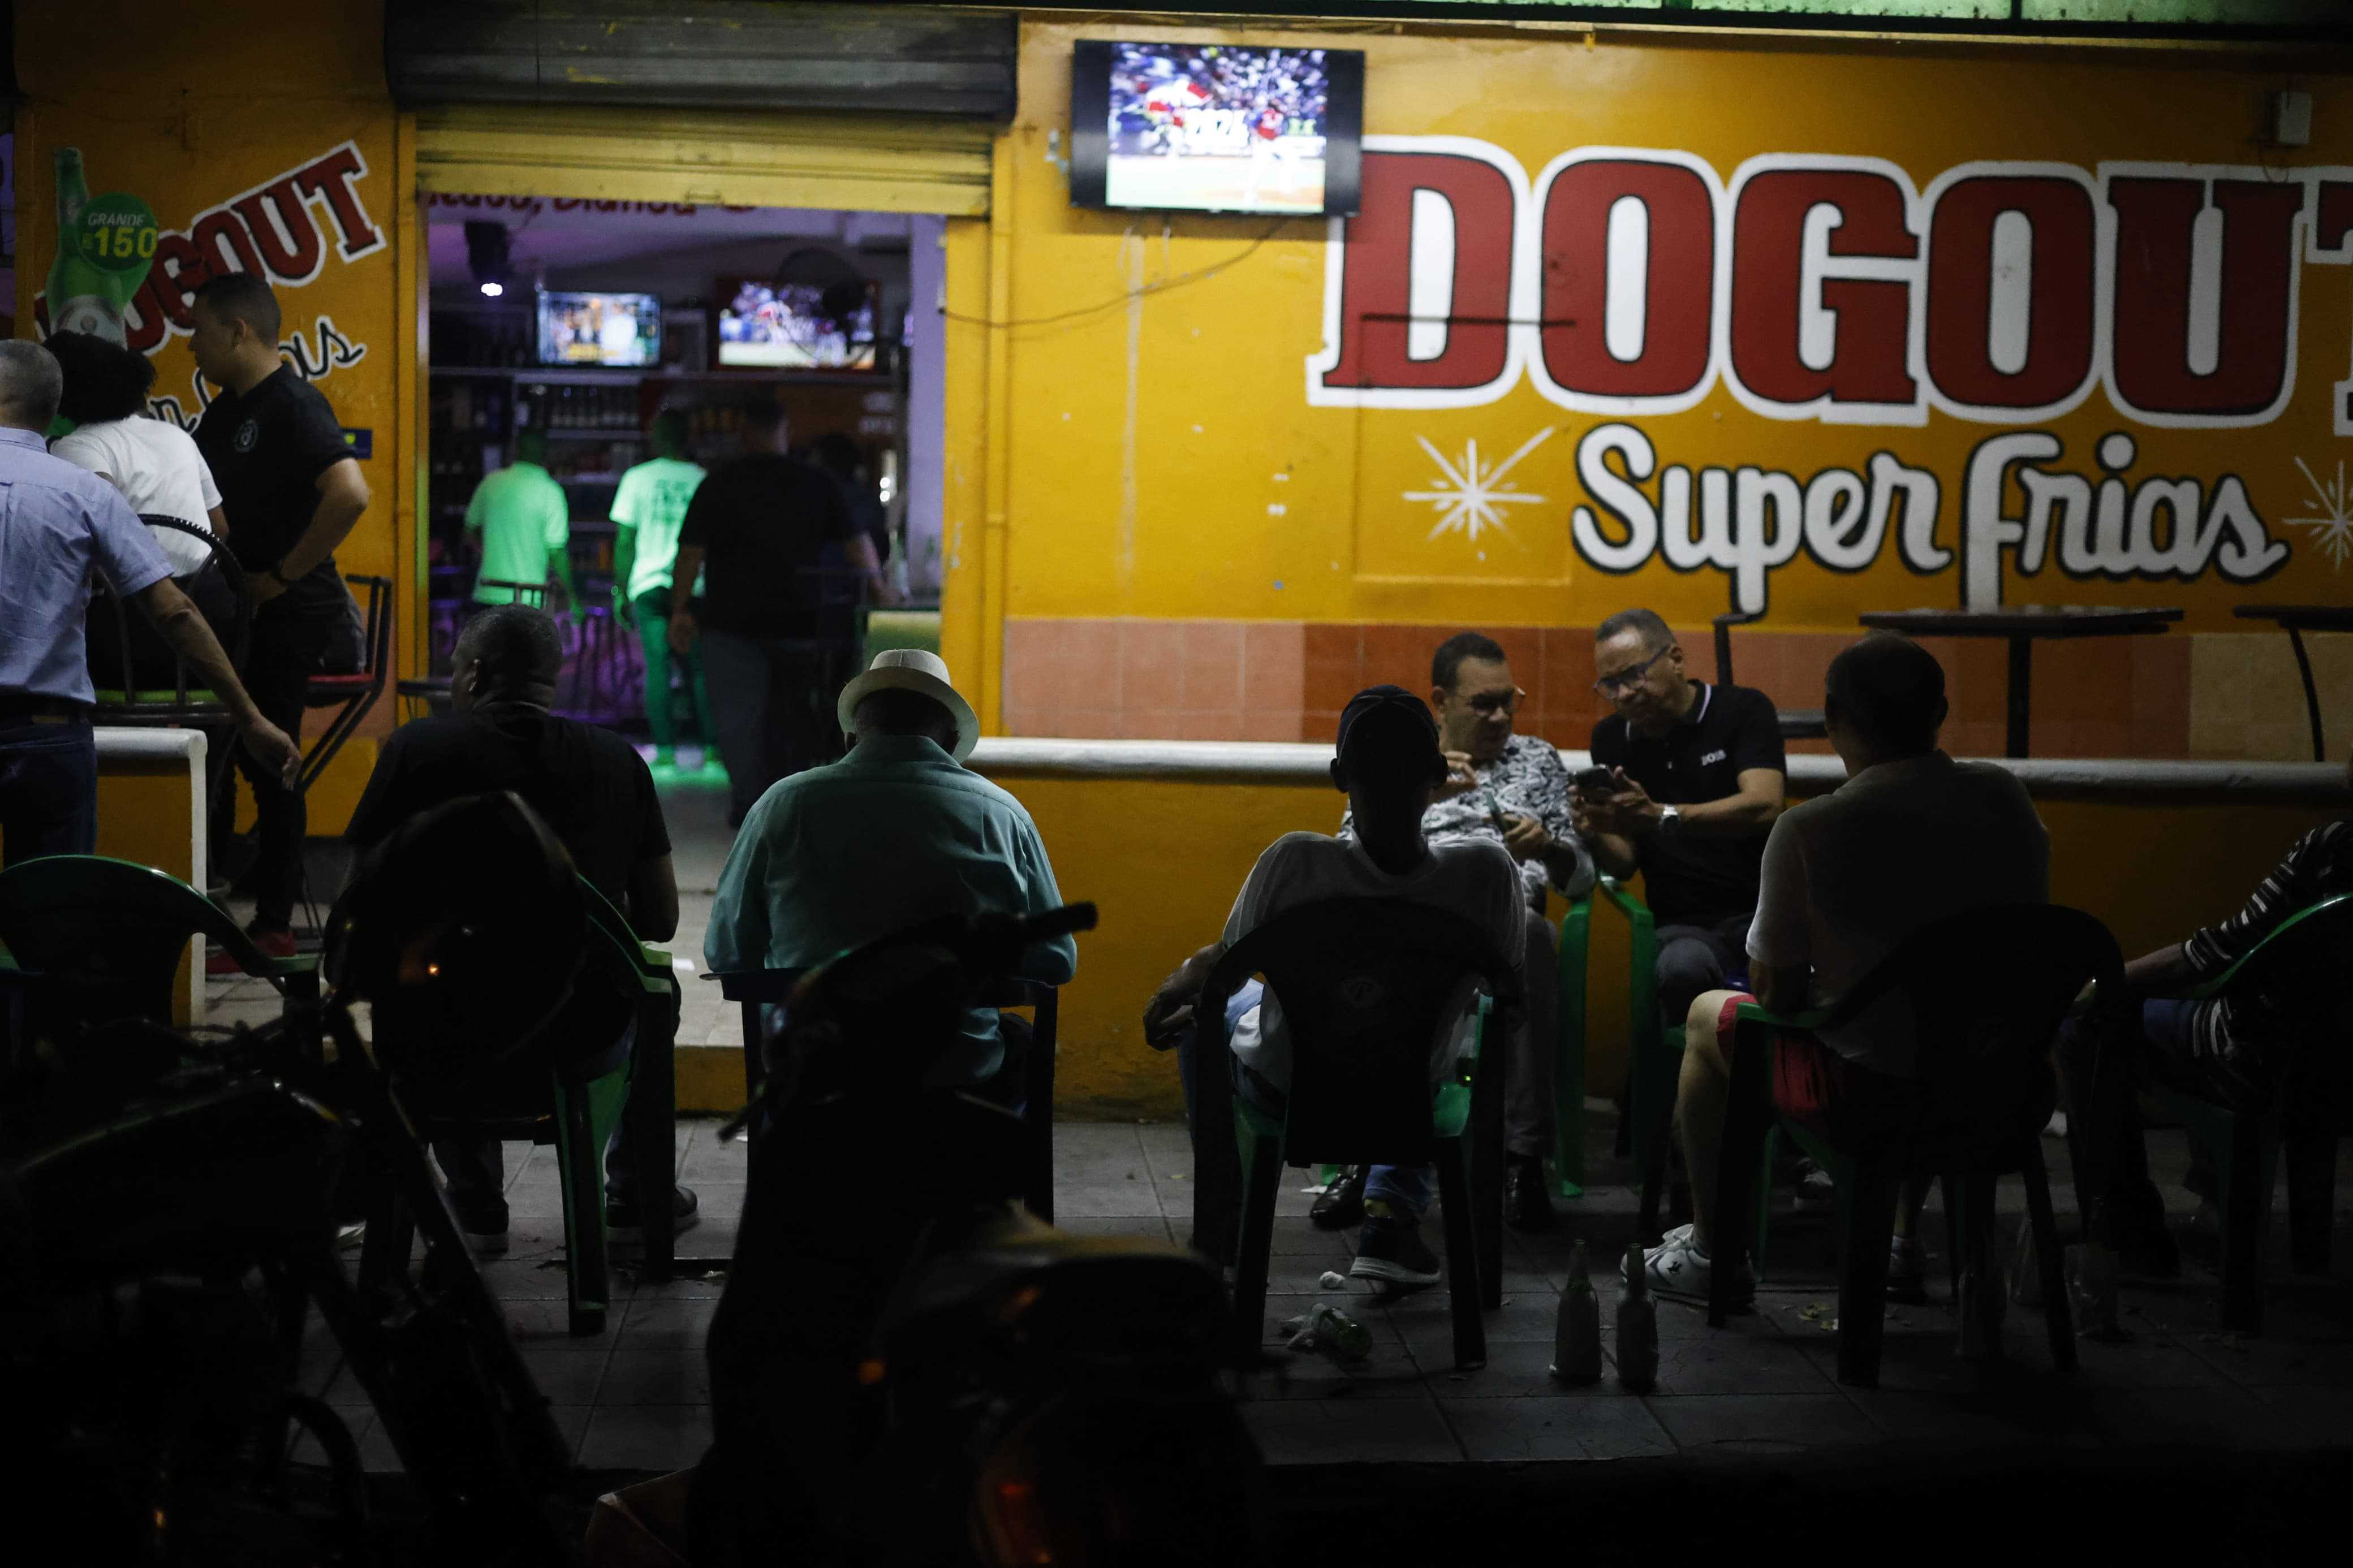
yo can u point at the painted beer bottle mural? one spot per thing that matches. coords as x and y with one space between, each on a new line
105 247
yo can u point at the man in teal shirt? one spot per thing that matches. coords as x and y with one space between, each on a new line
897 833
646 511
525 522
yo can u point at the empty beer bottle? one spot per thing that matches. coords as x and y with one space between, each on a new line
1577 1330
1638 1325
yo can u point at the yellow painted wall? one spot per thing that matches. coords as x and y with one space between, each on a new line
192 107
1165 860
1149 382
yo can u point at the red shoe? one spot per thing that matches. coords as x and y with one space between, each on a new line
272 944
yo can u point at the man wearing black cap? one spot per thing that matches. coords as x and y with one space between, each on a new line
1390 766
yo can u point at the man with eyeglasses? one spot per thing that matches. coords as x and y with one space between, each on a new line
1513 790
1699 772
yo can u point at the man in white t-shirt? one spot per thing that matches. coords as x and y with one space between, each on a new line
648 509
156 466
1912 837
1390 766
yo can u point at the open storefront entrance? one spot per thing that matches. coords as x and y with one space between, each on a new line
590 272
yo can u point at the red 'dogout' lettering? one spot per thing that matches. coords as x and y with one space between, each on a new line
1811 331
2019 344
282 232
2248 300
1459 244
1672 207
275 229
1822 287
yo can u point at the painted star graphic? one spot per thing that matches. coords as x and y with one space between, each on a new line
1472 499
2332 531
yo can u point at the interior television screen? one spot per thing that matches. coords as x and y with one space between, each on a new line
599 329
1216 128
793 326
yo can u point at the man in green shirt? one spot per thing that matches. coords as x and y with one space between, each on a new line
525 522
896 833
648 509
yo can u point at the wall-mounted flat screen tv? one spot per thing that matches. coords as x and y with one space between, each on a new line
792 326
619 329
1216 128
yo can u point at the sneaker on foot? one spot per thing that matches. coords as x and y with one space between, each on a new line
1389 1248
665 756
1679 1269
1816 1191
272 944
623 1223
1908 1274
485 1232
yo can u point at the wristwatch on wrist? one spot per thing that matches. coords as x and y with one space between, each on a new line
1668 816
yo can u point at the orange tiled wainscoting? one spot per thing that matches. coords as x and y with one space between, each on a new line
2223 695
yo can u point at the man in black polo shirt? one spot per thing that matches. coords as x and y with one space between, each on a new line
1700 770
760 524
596 797
290 490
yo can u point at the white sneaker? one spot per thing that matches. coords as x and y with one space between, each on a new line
1680 1269
1908 1273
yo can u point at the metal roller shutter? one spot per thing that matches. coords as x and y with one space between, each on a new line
702 55
878 164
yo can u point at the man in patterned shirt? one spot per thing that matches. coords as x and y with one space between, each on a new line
2230 1048
1510 790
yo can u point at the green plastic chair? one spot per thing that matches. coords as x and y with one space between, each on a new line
2309 954
1974 1112
110 934
583 1106
652 1105
1365 982
1652 1101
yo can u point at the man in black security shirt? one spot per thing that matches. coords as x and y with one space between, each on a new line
593 792
291 491
1700 770
761 522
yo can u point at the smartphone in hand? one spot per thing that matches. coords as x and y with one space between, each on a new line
1595 781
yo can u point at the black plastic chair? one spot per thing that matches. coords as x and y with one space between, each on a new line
755 990
2295 975
566 1088
1366 986
1987 991
125 699
1797 723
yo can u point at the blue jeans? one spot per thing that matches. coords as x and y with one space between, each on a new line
49 788
1406 1189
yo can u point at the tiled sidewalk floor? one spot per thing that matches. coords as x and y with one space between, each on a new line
636 1396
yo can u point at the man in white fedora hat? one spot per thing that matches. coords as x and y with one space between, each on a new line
896 833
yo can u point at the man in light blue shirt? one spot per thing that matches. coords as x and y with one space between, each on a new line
58 524
897 833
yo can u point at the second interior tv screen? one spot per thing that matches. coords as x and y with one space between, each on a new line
1216 128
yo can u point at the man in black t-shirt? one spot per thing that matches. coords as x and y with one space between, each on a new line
290 490
589 784
760 524
1701 770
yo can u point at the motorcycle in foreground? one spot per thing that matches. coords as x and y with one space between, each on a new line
907 1366
169 1208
